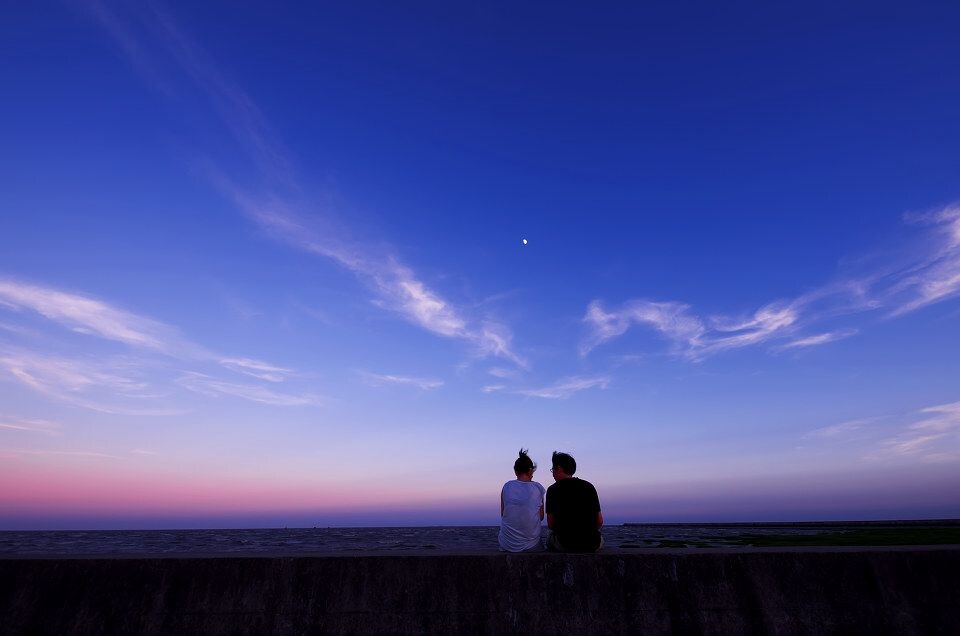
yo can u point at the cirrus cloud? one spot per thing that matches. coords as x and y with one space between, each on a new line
567 387
382 379
926 272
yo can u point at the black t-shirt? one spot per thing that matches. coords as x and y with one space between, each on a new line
574 505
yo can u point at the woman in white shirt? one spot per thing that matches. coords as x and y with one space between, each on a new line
521 509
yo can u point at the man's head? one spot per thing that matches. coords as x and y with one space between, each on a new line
563 466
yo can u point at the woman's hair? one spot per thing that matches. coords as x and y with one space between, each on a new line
523 464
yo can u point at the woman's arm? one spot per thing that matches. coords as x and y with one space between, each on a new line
501 503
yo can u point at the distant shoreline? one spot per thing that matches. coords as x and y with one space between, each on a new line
626 524
795 524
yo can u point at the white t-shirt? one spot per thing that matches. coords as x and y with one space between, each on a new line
520 523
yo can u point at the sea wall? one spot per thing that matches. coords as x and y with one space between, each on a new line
800 591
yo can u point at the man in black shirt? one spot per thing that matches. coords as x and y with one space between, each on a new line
573 510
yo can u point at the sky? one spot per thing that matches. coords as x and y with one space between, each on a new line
335 263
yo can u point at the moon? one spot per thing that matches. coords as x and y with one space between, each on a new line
524 241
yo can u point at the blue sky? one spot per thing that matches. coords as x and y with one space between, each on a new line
264 266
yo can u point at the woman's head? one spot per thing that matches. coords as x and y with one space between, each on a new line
524 464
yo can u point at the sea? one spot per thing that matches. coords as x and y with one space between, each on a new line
460 539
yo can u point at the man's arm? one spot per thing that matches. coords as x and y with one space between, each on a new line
596 503
550 520
501 503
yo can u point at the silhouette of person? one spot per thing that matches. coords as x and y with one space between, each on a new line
573 510
521 509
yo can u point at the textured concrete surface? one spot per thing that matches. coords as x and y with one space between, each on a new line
852 591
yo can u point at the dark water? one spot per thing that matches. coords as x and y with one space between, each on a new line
339 540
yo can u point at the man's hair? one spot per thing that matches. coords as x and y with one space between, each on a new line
564 461
523 464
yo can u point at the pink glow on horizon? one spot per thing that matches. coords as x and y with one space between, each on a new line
34 487
101 490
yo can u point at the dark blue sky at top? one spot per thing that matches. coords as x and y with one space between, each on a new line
775 132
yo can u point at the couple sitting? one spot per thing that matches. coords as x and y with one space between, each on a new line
573 509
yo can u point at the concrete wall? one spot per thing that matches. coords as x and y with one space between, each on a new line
889 591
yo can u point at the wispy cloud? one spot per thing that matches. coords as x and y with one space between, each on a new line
767 322
691 336
62 453
140 451
566 387
842 429
107 387
912 444
495 339
928 272
71 375
819 339
396 286
669 318
92 316
379 380
118 384
931 434
85 314
150 39
492 388
257 369
29 425
935 276
213 387
16 329
934 436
